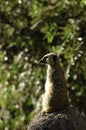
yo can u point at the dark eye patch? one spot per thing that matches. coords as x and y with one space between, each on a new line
54 57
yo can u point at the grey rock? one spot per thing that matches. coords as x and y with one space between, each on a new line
69 119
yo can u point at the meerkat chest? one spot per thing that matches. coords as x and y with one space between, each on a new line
48 87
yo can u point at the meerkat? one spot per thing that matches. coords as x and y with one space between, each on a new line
55 96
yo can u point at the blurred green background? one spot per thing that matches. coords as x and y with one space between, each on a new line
28 30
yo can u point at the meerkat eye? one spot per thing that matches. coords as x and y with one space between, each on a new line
54 58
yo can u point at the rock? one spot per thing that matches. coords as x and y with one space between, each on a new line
69 119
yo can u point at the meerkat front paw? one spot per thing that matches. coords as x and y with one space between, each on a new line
43 112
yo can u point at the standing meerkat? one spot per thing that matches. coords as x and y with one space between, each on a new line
55 96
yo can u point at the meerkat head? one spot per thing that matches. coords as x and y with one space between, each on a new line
50 59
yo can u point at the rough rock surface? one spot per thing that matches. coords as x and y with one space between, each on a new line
69 119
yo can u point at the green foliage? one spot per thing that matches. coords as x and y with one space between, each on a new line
49 31
28 30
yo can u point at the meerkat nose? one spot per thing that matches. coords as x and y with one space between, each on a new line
42 60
